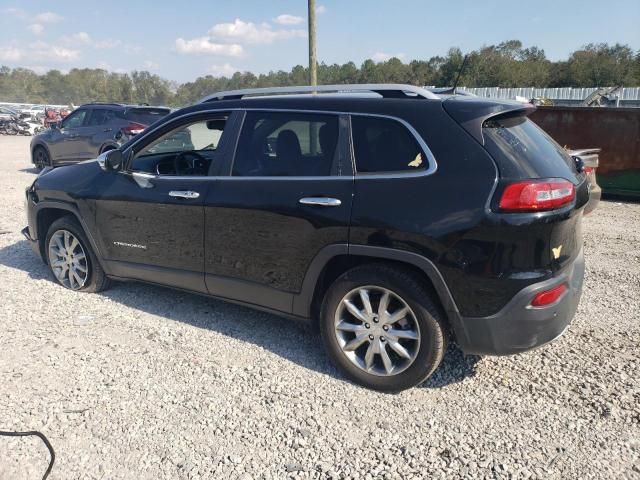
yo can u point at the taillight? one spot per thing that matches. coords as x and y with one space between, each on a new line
548 297
588 170
536 195
133 128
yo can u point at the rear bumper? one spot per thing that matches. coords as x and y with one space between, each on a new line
595 194
518 327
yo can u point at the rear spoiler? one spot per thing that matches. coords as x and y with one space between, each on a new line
472 112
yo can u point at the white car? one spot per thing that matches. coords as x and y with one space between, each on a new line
34 111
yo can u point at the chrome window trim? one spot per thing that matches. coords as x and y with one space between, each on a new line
433 165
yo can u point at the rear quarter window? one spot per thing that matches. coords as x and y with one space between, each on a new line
385 145
523 150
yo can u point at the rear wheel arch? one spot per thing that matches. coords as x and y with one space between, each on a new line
320 277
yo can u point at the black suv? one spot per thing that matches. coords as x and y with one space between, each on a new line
392 219
91 130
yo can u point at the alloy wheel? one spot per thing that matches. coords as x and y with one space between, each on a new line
377 330
68 259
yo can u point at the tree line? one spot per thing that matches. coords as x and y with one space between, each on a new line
507 64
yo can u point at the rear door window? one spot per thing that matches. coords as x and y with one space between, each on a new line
385 145
146 116
274 144
100 116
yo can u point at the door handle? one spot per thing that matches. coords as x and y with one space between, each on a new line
108 130
320 201
187 194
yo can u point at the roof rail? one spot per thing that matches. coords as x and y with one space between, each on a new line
386 90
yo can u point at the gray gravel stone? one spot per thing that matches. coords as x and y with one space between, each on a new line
149 383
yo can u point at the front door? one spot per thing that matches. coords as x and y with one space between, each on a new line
287 197
150 218
64 141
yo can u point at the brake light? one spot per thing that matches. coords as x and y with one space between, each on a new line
536 195
548 297
588 170
133 128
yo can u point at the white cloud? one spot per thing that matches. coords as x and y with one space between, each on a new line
83 38
47 17
248 32
132 49
150 65
225 70
383 57
204 45
320 9
104 65
39 69
16 12
44 51
36 28
10 54
287 19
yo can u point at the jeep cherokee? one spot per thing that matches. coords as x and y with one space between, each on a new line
390 217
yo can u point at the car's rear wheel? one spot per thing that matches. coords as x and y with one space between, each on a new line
41 158
381 328
71 259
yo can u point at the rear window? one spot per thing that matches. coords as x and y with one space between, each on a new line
523 150
146 116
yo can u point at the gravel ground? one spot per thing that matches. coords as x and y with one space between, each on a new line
144 382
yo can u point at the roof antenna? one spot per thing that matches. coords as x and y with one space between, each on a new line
455 84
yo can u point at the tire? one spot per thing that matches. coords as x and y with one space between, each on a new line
93 277
41 158
423 318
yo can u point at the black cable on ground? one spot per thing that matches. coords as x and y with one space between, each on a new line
41 437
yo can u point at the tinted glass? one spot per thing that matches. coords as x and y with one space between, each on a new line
74 119
524 150
384 145
146 116
286 144
100 116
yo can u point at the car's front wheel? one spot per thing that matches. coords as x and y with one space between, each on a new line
71 259
41 158
381 328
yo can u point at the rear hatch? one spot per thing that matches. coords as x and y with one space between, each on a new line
539 186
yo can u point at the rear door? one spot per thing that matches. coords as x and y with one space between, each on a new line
287 197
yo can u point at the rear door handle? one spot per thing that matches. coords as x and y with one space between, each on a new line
320 201
187 194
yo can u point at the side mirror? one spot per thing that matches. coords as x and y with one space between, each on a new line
54 125
113 161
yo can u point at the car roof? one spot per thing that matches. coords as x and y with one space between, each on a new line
123 106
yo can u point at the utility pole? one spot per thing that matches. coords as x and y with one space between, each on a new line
313 63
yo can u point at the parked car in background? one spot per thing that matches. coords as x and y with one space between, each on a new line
7 114
91 130
391 220
33 112
590 159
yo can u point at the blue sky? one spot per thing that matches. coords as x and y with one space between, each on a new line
187 39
